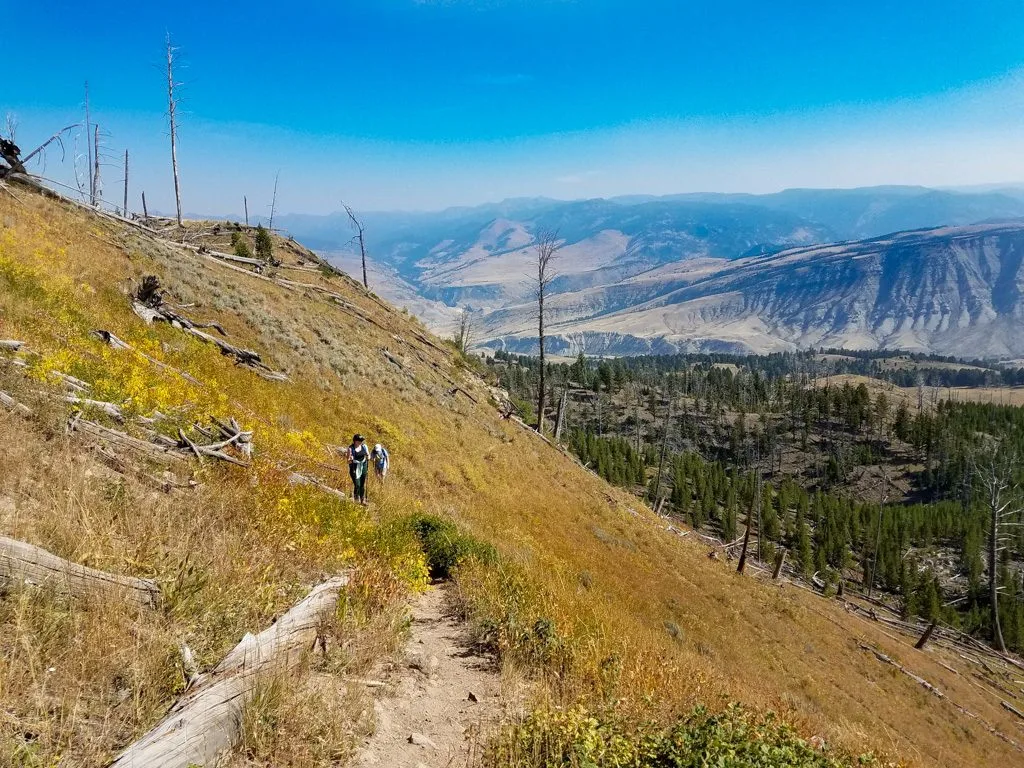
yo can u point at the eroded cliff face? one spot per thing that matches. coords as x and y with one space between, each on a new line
957 291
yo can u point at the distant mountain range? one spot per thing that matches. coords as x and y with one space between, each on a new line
714 271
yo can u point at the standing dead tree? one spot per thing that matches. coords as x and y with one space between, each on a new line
96 194
124 205
88 149
172 109
993 473
273 203
357 225
547 247
883 496
465 333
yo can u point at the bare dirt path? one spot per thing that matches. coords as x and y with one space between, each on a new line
440 700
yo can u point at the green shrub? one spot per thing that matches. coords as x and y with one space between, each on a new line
445 546
241 245
734 738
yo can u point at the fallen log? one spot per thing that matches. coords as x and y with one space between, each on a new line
206 722
110 409
151 450
298 479
22 563
11 404
10 345
117 343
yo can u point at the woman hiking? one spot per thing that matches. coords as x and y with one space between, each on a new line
381 461
358 462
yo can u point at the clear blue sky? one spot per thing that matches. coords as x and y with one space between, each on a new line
421 104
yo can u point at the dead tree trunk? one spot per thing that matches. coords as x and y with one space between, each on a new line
245 203
273 201
664 446
145 210
927 635
995 476
96 166
172 106
357 225
780 560
993 580
547 247
22 563
206 721
746 539
124 210
88 148
560 416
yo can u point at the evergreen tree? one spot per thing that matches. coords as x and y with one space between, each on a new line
264 244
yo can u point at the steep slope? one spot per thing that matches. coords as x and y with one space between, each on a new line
611 613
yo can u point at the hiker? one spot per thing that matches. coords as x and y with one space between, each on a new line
358 459
381 461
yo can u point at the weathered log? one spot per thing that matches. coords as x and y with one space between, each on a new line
298 479
114 436
11 404
22 563
206 722
117 343
10 345
1010 708
110 409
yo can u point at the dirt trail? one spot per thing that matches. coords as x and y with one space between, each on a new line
426 715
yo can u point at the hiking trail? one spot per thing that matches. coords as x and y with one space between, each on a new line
441 699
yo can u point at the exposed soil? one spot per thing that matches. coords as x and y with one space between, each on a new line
440 701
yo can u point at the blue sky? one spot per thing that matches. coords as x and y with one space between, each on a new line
423 104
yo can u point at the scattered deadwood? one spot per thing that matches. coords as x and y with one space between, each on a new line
148 449
213 450
22 563
123 466
206 722
298 479
10 345
148 303
241 356
234 433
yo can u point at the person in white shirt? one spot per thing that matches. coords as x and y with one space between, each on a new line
381 461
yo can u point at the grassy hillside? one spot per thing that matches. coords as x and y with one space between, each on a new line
624 626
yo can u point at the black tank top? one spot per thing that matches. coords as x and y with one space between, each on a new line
358 455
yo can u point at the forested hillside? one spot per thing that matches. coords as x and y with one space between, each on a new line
861 481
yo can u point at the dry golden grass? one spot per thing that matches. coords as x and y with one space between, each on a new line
606 578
